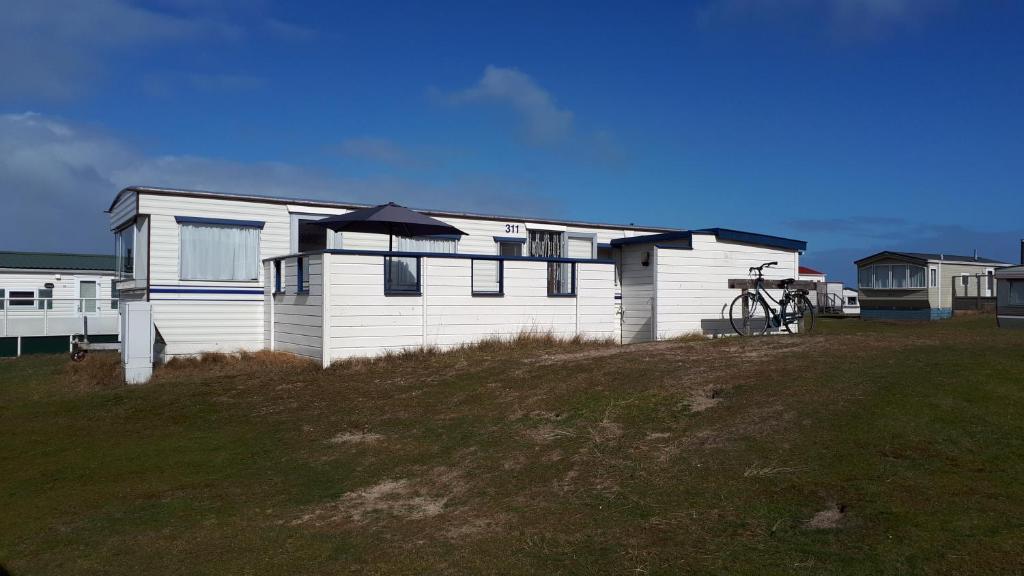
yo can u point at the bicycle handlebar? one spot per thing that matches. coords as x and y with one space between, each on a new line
762 266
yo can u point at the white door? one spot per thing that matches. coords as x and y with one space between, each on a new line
87 293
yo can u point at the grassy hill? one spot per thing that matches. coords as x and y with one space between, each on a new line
869 448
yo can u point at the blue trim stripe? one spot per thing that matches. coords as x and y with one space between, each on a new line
219 222
514 239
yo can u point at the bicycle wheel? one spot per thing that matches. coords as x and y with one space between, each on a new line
748 315
799 314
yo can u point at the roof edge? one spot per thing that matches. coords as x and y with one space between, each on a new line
355 206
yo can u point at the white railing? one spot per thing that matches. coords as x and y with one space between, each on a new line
57 316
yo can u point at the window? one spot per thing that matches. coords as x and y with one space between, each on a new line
278 279
46 298
510 247
583 246
891 276
22 298
916 279
990 277
488 277
438 244
1016 293
561 278
934 277
605 252
3 298
217 250
124 251
115 295
302 268
87 296
899 276
402 275
545 244
964 280
864 277
880 276
851 300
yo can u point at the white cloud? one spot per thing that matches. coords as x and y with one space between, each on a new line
54 49
543 122
57 178
379 150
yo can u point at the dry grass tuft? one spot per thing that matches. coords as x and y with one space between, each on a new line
96 371
263 362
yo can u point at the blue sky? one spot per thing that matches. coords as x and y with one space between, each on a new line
857 125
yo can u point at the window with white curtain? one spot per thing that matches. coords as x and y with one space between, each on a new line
880 276
435 244
864 277
916 279
219 251
899 276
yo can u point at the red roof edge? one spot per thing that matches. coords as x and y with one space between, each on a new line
810 271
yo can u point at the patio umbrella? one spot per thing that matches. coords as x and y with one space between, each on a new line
389 219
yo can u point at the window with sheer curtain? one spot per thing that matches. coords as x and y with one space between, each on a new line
436 244
219 252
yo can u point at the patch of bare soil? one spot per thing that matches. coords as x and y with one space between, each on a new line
705 398
403 498
828 519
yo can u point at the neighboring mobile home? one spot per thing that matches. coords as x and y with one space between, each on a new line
923 286
197 257
1010 288
46 297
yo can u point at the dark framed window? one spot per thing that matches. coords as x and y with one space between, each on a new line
3 298
115 295
45 299
402 276
22 298
561 279
487 277
278 279
301 268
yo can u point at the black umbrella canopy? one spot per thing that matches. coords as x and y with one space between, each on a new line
389 219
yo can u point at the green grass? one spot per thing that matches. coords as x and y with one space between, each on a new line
544 457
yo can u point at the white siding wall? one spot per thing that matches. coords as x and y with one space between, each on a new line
693 294
194 316
298 318
365 322
64 317
637 294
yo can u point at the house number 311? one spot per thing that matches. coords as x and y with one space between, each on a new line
510 228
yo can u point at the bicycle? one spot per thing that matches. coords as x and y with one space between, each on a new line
751 313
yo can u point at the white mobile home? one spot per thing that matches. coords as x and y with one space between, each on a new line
230 271
46 297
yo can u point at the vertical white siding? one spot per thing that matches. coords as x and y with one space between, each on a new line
298 318
365 322
693 294
637 294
